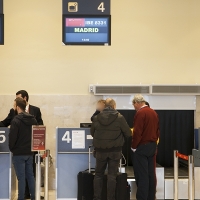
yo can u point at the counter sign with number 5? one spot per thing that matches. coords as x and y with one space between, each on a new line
2 137
101 7
66 137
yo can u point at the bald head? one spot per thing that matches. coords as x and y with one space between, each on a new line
110 103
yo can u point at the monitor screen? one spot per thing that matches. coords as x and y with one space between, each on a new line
87 30
85 125
1 29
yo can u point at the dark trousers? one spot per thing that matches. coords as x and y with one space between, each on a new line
144 170
103 159
24 170
27 191
155 167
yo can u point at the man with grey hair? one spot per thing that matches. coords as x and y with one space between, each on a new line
109 128
144 142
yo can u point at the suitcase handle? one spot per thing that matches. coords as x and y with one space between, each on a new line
123 164
91 170
90 158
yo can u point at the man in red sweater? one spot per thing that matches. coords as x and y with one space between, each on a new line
144 142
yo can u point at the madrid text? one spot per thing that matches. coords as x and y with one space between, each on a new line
86 30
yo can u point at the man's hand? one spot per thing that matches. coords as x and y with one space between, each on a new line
133 150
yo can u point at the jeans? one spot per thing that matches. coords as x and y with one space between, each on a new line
143 160
24 170
103 159
27 193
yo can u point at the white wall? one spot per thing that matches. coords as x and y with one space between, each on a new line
157 102
152 42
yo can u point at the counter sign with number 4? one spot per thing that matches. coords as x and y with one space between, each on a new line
78 138
66 137
86 7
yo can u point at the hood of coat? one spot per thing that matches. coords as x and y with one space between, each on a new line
107 116
26 118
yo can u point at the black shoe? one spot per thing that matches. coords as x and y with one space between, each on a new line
27 197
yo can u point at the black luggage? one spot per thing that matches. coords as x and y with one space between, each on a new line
85 185
122 192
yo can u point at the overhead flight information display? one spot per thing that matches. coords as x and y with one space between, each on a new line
1 29
1 6
86 22
86 30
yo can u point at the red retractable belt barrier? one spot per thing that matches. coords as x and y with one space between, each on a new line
190 174
182 156
44 155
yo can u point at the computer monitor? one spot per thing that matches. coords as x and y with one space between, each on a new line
85 125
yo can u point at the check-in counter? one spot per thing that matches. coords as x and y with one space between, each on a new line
196 155
7 173
71 157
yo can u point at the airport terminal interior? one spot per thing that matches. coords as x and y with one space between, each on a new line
69 54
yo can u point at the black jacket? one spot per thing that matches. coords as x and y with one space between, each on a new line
33 110
96 113
109 128
20 134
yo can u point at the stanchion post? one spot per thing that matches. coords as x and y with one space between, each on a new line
175 175
38 176
46 176
190 178
90 158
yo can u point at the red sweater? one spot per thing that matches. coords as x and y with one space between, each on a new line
146 127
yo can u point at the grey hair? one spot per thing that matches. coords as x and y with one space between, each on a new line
138 98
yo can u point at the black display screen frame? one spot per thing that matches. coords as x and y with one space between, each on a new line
86 43
2 29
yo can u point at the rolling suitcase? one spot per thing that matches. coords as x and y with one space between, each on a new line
86 190
85 182
85 185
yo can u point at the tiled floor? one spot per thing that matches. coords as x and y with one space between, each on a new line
52 195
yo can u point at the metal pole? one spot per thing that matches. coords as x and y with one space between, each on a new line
38 176
190 178
90 158
46 176
120 165
175 175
